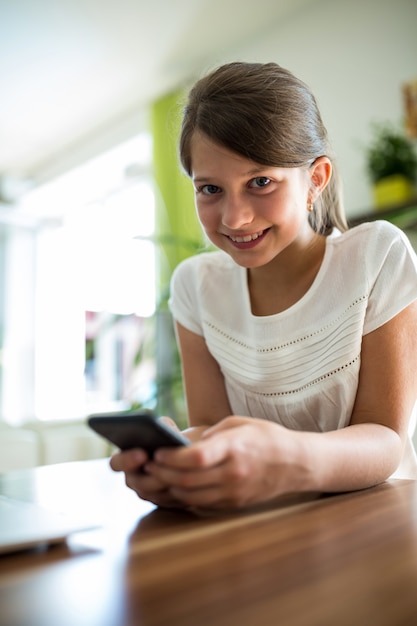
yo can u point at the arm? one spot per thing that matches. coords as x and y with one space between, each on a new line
243 461
370 449
207 404
205 391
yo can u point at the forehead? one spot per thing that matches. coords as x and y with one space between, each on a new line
207 155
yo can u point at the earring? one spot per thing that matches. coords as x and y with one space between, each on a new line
310 207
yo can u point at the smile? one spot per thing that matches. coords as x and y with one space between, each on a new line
246 238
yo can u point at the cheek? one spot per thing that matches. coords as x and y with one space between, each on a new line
289 210
207 217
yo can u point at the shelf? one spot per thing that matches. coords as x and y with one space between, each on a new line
403 215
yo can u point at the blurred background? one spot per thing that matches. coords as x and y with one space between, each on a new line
94 213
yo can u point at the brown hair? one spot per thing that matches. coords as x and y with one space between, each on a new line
266 114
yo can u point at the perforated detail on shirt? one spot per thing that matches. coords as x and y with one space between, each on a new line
297 340
310 383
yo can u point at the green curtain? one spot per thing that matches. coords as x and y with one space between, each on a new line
178 231
178 235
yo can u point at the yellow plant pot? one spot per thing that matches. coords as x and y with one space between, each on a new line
392 190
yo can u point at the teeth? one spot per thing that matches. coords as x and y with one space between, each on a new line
246 238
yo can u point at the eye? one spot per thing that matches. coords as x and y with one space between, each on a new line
209 190
259 182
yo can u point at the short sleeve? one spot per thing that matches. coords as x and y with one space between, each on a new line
395 277
183 300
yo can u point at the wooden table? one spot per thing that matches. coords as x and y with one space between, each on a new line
343 560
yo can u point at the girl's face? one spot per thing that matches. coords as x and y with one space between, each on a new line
251 211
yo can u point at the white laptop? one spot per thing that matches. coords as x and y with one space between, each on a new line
25 525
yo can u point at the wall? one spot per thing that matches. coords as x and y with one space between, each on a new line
46 443
355 56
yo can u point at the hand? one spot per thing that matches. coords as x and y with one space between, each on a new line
237 463
132 463
147 487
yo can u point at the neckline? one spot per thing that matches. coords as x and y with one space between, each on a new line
307 295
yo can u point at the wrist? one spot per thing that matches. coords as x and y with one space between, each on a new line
306 461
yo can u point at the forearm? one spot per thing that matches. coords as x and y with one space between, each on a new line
244 461
355 457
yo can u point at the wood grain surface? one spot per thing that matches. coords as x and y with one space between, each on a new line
339 560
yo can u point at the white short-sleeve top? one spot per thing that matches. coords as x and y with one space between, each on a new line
300 367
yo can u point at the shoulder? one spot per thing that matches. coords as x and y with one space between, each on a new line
372 252
368 231
371 238
198 285
205 265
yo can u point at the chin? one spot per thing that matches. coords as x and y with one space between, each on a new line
248 262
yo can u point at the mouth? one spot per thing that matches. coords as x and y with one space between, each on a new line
246 238
249 240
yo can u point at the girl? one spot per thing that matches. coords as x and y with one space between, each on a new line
298 338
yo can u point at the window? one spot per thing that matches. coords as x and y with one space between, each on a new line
92 285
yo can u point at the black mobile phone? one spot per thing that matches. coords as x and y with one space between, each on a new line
135 429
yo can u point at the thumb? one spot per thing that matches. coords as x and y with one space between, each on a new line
233 421
168 421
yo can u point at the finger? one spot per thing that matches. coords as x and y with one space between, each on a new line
200 455
169 422
142 483
152 490
211 499
128 460
186 479
167 501
233 421
223 492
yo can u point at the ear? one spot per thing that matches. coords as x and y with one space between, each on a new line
320 173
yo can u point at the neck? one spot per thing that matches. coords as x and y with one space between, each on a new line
282 282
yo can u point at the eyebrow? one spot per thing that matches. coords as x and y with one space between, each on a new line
251 172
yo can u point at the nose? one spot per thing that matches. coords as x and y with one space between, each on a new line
237 212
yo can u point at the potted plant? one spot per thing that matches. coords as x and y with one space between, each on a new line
392 166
